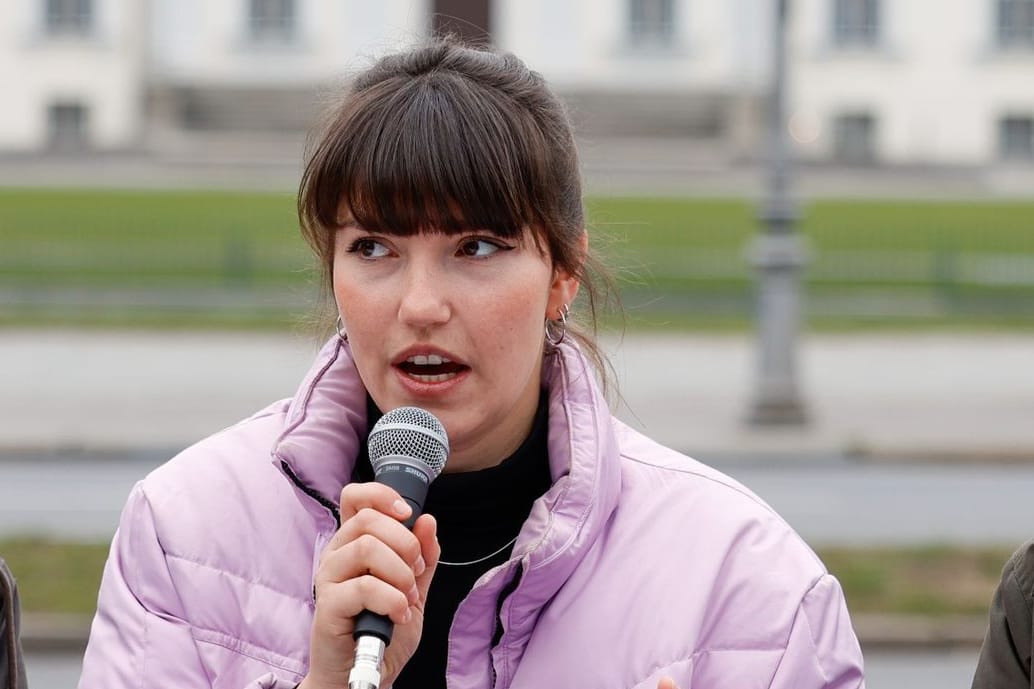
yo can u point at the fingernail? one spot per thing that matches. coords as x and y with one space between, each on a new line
400 507
420 565
414 595
407 616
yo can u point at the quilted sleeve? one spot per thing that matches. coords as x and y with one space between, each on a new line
138 638
822 650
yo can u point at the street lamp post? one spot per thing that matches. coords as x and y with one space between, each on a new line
778 255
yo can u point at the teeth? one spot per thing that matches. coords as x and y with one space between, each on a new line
433 379
428 359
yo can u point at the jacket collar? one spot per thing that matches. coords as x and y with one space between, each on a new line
561 531
325 424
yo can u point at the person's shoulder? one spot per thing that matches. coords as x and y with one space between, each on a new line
659 480
644 460
219 477
1020 569
742 569
230 451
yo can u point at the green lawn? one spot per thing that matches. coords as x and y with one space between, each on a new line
933 581
230 258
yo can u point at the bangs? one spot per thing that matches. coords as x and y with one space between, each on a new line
432 154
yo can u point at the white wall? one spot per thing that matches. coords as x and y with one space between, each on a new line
207 43
584 44
102 71
936 84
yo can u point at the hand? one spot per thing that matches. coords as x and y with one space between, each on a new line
667 683
373 563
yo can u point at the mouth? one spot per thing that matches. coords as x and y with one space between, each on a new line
430 368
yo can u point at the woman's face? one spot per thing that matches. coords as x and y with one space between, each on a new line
452 324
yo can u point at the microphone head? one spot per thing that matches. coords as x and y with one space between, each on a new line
409 432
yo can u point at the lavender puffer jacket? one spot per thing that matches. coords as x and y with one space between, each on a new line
638 563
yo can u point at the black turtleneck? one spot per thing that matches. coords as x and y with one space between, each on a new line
478 513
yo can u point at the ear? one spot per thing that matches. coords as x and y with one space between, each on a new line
564 287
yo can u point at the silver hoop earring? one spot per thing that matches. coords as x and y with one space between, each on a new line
556 330
339 325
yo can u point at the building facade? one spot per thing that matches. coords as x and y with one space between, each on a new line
74 74
908 82
913 82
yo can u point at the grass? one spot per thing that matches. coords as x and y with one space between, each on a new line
98 256
55 577
933 581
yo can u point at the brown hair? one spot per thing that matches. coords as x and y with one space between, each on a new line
446 138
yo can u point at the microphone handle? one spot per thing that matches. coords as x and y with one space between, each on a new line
412 486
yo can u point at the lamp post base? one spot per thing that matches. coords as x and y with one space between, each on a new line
784 411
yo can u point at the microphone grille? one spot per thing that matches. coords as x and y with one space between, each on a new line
410 432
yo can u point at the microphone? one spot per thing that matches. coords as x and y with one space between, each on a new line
408 448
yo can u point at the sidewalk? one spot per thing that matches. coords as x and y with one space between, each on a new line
933 397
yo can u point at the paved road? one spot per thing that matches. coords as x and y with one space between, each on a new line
827 500
936 396
919 670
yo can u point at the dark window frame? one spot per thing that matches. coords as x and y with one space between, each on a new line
1016 137
68 126
854 138
68 17
272 21
856 23
1014 24
652 22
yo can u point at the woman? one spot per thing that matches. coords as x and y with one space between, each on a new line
444 201
1005 657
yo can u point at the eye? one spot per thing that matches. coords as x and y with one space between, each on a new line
481 247
368 248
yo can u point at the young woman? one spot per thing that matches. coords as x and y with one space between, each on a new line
559 549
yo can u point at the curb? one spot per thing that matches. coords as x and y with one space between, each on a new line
904 632
56 633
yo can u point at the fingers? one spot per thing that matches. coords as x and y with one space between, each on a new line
369 570
375 496
342 601
426 532
374 562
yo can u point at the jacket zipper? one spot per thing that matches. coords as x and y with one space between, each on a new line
334 511
497 635
311 493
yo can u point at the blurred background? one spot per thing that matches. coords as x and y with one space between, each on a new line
821 213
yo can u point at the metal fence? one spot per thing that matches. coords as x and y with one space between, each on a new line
237 279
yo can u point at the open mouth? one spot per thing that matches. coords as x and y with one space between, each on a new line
431 368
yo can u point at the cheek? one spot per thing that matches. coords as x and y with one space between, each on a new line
519 319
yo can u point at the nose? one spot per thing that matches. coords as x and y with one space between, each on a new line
424 302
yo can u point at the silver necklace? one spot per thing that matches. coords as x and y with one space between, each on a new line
480 559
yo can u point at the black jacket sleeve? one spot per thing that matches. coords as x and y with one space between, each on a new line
12 669
1004 661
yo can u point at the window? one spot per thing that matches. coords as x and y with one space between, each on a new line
651 22
68 17
854 139
1016 23
1016 138
272 20
856 23
67 127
